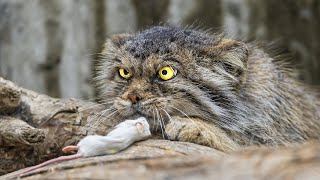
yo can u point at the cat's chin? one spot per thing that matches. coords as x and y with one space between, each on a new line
137 115
134 115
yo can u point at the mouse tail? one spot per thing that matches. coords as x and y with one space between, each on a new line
59 159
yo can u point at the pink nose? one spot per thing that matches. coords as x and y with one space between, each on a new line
134 98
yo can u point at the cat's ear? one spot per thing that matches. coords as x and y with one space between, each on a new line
119 39
232 54
115 41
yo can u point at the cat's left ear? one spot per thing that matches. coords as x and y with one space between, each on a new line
119 39
115 41
232 54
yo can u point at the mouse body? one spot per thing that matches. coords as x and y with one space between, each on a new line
121 137
124 134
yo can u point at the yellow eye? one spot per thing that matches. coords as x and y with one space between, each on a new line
124 73
166 73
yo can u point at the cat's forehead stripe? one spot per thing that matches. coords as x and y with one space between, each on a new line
172 59
158 40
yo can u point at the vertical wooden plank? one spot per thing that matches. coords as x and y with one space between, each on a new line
150 12
23 43
78 24
121 17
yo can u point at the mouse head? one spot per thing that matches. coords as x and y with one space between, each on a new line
141 125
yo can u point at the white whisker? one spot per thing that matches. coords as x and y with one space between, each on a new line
95 124
89 122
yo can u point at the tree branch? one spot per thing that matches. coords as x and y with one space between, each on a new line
36 127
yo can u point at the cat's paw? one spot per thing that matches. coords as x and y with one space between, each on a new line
199 132
173 129
181 129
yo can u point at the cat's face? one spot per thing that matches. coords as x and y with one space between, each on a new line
151 87
166 80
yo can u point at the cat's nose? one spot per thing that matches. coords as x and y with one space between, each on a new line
134 98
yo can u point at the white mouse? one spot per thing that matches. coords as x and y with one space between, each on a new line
124 134
120 138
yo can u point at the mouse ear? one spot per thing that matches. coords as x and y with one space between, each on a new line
139 127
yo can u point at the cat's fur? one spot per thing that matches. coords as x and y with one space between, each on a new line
226 93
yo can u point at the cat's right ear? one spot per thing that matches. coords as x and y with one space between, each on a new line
120 39
233 54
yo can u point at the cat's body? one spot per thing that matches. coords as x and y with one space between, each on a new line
206 89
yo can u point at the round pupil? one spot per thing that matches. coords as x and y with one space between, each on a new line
125 72
164 72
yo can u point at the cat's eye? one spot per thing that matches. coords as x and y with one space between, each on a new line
124 73
166 73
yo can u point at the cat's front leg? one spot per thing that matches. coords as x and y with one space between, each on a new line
199 132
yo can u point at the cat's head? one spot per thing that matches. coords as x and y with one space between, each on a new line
167 71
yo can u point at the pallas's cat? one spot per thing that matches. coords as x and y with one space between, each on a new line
206 89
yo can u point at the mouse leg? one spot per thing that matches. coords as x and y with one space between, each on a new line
70 148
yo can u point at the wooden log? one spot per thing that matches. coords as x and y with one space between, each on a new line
63 124
160 159
9 99
40 126
15 132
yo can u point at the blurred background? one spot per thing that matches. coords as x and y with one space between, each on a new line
49 45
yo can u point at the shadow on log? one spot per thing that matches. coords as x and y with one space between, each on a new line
50 124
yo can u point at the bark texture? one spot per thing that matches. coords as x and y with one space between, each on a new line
39 126
34 127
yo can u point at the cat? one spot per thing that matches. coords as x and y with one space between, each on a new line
205 88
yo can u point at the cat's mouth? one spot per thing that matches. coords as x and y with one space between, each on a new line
128 109
141 110
148 108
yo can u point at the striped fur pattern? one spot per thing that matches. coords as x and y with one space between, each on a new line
226 93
